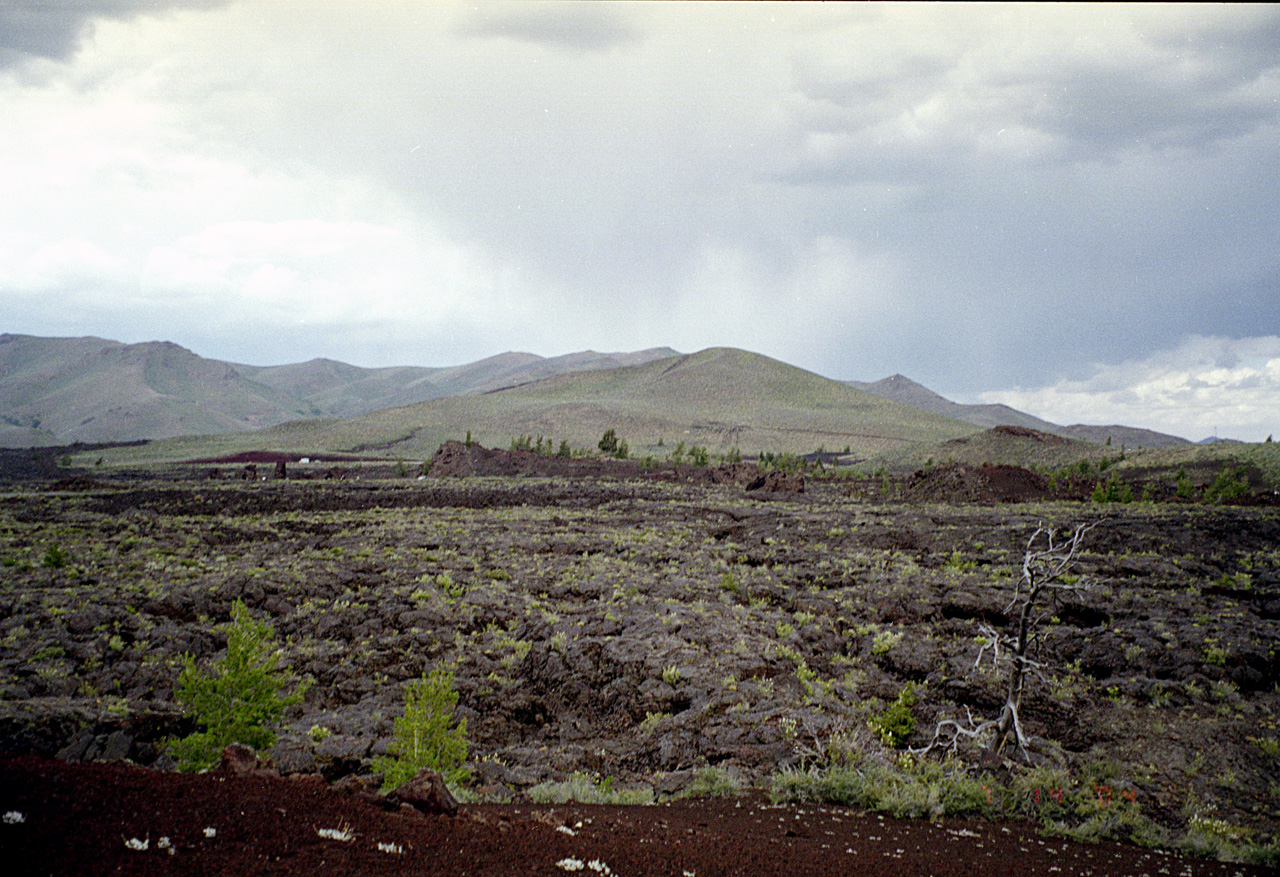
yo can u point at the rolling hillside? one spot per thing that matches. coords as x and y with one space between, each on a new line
59 391
64 390
336 389
720 398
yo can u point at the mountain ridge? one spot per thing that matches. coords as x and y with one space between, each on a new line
903 389
720 399
90 389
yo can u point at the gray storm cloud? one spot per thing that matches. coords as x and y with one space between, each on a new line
977 196
54 29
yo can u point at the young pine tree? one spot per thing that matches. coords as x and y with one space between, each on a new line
241 700
426 736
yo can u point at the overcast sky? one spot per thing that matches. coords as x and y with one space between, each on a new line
1071 209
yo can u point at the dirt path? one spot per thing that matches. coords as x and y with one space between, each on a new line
93 819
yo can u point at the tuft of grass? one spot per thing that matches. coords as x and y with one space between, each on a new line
908 789
711 782
586 789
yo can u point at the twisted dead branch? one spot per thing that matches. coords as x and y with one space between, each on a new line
1046 573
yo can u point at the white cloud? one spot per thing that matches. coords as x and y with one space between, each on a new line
1205 386
58 265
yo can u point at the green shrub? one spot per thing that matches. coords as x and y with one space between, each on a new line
784 461
241 700
885 641
1186 489
1112 490
897 723
426 735
54 557
1230 484
609 441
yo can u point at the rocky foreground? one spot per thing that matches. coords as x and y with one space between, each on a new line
639 639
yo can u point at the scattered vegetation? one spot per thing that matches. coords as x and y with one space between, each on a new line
805 590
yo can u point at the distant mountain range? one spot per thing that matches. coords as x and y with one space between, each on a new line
907 391
64 390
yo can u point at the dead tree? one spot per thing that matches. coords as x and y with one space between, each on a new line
1046 575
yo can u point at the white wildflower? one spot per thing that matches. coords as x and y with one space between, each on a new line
564 829
13 817
599 867
342 833
134 844
210 832
570 864
162 843
393 848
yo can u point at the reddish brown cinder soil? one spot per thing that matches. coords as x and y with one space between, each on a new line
94 819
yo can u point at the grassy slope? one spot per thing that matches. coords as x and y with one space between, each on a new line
1053 452
1264 457
719 398
336 389
62 390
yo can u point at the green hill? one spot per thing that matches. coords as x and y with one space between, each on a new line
1010 445
91 390
719 399
63 390
903 389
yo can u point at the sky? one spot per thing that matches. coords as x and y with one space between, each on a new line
1071 209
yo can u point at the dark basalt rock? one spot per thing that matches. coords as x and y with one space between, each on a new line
426 793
